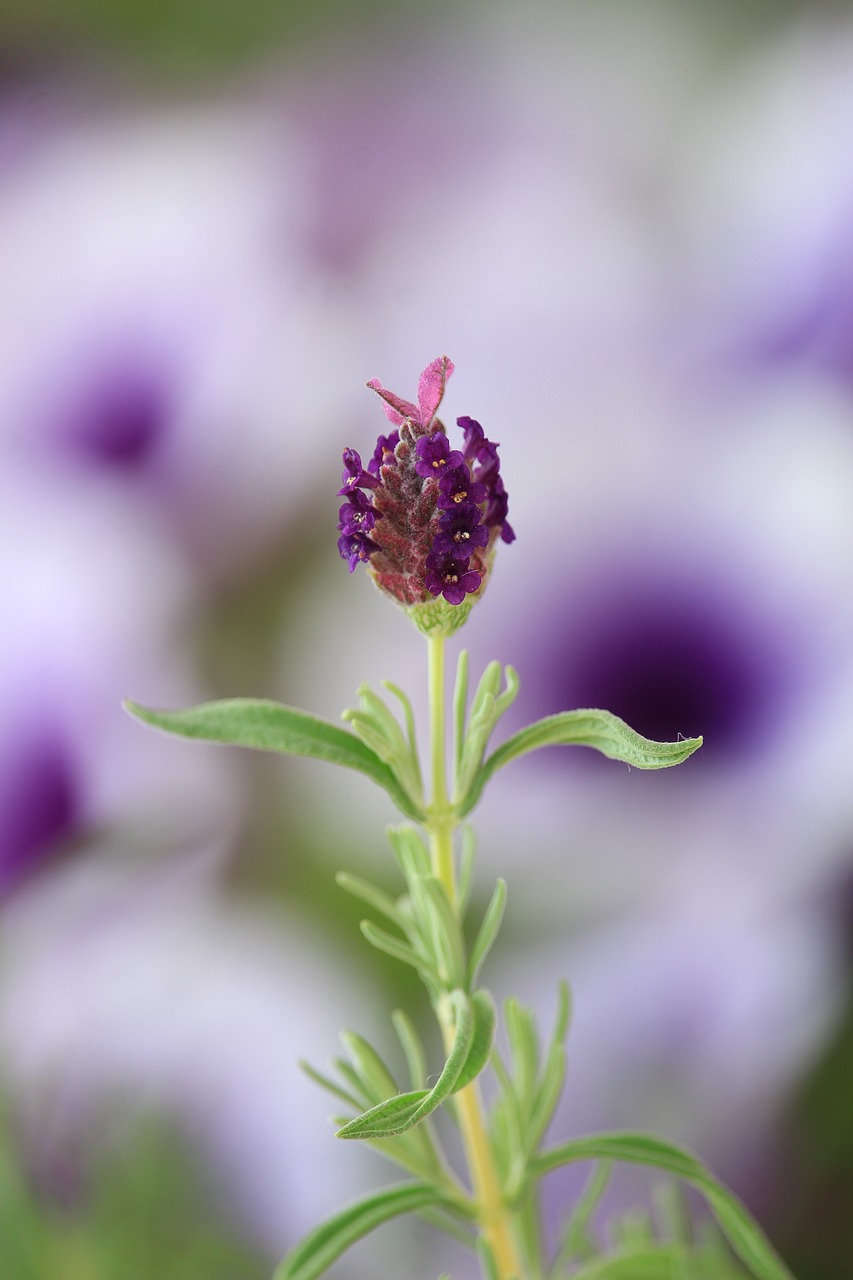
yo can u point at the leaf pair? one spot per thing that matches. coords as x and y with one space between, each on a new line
380 749
472 1042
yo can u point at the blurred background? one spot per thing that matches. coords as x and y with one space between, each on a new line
631 228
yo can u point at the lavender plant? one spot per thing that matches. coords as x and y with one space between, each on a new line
426 519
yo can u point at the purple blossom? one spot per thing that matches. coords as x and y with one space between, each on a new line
474 437
354 547
496 509
461 532
354 476
450 577
435 455
456 486
357 514
478 448
384 452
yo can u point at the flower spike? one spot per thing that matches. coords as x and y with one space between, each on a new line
425 518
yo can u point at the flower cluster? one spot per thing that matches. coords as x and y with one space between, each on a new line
423 516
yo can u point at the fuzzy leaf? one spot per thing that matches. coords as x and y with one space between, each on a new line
271 726
487 932
398 949
319 1249
405 1110
485 1020
743 1233
584 728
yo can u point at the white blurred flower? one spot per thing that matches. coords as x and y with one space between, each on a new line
765 207
159 334
95 605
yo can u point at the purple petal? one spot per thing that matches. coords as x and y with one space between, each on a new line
474 436
431 386
396 409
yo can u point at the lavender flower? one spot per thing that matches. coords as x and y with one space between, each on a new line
457 486
435 456
354 475
461 532
384 452
450 577
439 522
357 515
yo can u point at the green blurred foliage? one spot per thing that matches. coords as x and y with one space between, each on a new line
141 1209
186 37
198 39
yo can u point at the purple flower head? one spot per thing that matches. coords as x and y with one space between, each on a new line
435 456
450 577
427 527
384 452
354 476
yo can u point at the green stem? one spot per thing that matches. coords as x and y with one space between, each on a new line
493 1217
441 821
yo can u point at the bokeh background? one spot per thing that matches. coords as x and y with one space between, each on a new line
631 227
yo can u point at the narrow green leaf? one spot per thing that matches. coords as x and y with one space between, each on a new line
371 734
671 1212
412 1048
487 933
378 727
321 1247
487 690
405 1110
745 1236
584 728
373 896
467 850
386 1119
505 700
271 726
576 1240
487 1261
547 1095
325 1082
636 1262
382 717
374 1074
410 851
508 1132
524 1050
348 1073
485 1020
409 715
440 927
395 947
553 1075
460 707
